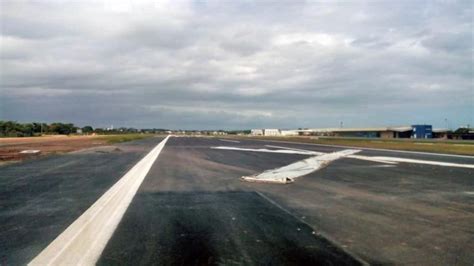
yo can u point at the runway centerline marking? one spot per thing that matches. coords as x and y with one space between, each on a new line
84 240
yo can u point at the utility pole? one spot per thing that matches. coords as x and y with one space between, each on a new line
342 123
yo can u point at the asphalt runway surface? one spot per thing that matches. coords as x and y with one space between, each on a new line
40 198
193 209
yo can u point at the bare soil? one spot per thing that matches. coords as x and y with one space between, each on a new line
10 148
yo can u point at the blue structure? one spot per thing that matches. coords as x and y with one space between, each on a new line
422 132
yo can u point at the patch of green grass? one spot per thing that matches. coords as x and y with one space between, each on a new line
112 139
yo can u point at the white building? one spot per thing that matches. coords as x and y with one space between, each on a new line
271 132
289 133
256 132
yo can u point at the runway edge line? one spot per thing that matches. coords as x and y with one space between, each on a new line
84 240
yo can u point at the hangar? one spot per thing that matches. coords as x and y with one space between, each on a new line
395 132
382 132
414 131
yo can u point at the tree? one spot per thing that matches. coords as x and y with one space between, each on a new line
37 127
63 129
99 130
11 129
462 130
28 129
87 129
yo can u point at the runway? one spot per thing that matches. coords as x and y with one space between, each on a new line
193 208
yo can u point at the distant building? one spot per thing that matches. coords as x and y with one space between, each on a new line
383 132
375 132
441 133
256 132
271 132
422 132
413 131
289 132
462 133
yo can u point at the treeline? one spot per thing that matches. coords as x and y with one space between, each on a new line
15 129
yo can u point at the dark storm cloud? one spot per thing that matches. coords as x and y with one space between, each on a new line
237 65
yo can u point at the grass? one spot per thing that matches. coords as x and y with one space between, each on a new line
112 139
434 146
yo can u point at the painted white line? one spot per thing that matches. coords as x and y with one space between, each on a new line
378 159
405 160
30 152
382 166
369 149
359 157
370 158
265 150
392 160
287 174
293 149
228 140
84 240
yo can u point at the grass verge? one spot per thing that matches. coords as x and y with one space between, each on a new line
112 139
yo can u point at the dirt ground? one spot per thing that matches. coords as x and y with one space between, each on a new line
10 148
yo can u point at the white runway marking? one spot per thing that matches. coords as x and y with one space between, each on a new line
404 160
30 152
266 150
228 140
287 174
370 159
300 151
369 149
84 240
293 149
378 159
382 166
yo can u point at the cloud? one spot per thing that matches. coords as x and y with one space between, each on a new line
237 65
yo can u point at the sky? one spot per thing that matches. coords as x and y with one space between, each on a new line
237 64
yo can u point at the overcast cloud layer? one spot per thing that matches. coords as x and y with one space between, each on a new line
209 65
